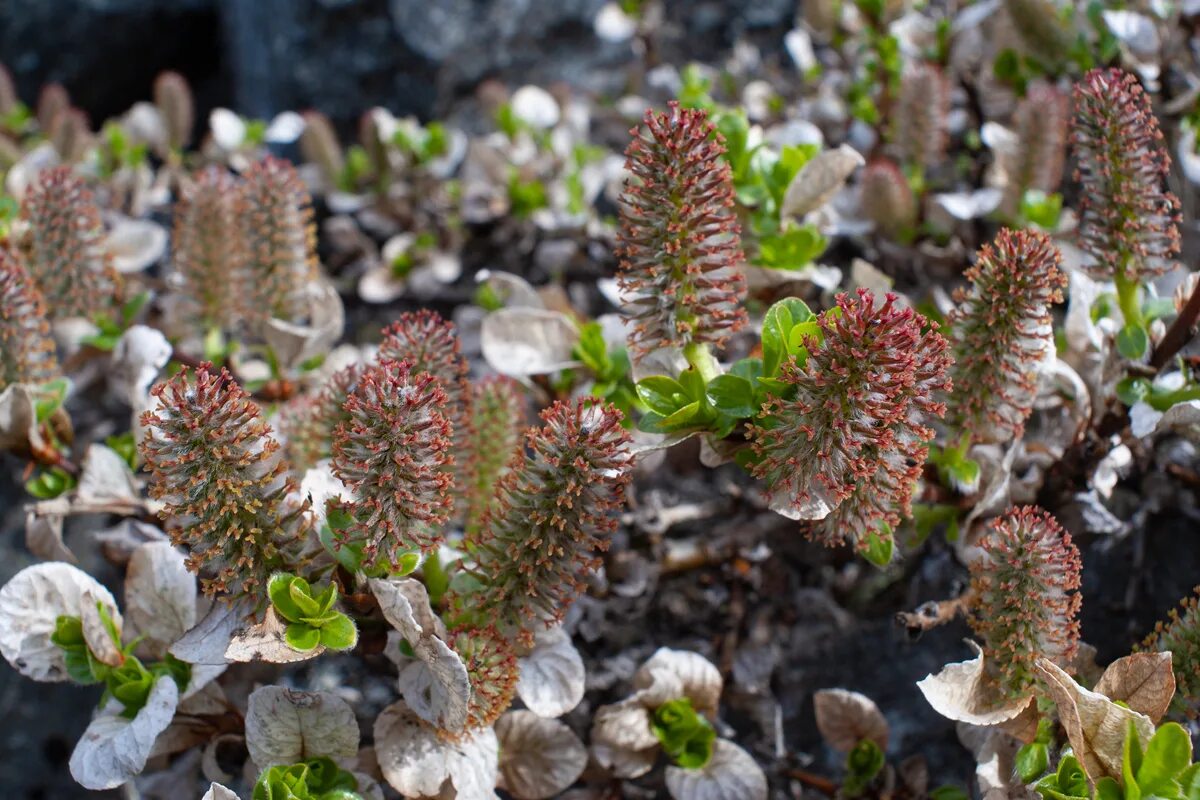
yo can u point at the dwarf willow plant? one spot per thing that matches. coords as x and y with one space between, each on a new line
27 353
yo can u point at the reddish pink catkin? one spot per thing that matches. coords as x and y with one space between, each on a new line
217 469
1002 329
27 353
1026 596
853 436
209 255
551 513
1128 221
680 245
392 450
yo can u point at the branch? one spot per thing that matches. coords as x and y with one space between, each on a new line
1179 333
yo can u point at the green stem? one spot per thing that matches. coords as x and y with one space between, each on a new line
1127 299
436 580
702 360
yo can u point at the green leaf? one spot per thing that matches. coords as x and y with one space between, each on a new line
1189 782
865 760
663 395
1032 760
880 546
301 594
686 736
688 415
793 248
1107 789
339 633
777 328
949 793
1168 754
302 636
1131 390
406 564
1131 762
733 395
1132 341
50 397
1157 308
279 589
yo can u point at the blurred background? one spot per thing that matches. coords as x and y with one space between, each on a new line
422 57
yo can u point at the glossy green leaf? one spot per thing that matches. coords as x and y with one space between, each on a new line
733 395
1132 341
279 589
880 546
302 636
1032 761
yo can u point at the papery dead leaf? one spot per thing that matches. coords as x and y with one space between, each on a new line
266 641
294 343
961 692
18 419
104 644
137 358
819 180
436 685
845 718
135 244
700 679
526 341
405 605
731 774
105 477
538 757
1143 681
160 595
1095 725
551 675
114 749
284 726
207 642
44 537
30 605
417 763
218 792
622 739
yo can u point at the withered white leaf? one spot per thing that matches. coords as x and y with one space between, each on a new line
1095 725
961 692
285 726
512 290
538 757
208 640
294 343
700 679
218 792
160 595
105 476
845 718
551 674
114 749
436 685
416 762
731 774
18 419
819 180
30 605
44 536
266 641
527 341
135 244
622 739
100 641
405 605
137 358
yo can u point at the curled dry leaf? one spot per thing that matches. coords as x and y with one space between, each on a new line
105 477
44 537
135 244
18 419
1095 725
417 763
207 642
266 641
1143 681
538 757
31 603
137 358
622 739
436 685
731 774
845 718
160 595
961 692
526 341
114 749
819 180
284 726
700 679
100 641
552 674
405 605
294 343
511 290
218 792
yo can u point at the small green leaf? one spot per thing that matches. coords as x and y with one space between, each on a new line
406 564
1132 341
301 594
1131 762
339 633
880 546
949 793
1157 308
663 395
733 395
1032 761
302 636
1167 754
682 418
777 328
279 589
1131 390
1106 789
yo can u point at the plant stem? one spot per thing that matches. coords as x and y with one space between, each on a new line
701 359
436 580
1127 299
1179 333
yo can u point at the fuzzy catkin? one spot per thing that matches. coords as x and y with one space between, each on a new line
217 469
680 245
391 450
176 107
27 352
852 438
920 128
498 411
1128 221
1026 599
887 200
492 667
551 514
209 252
64 248
1180 635
1003 333
1040 123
